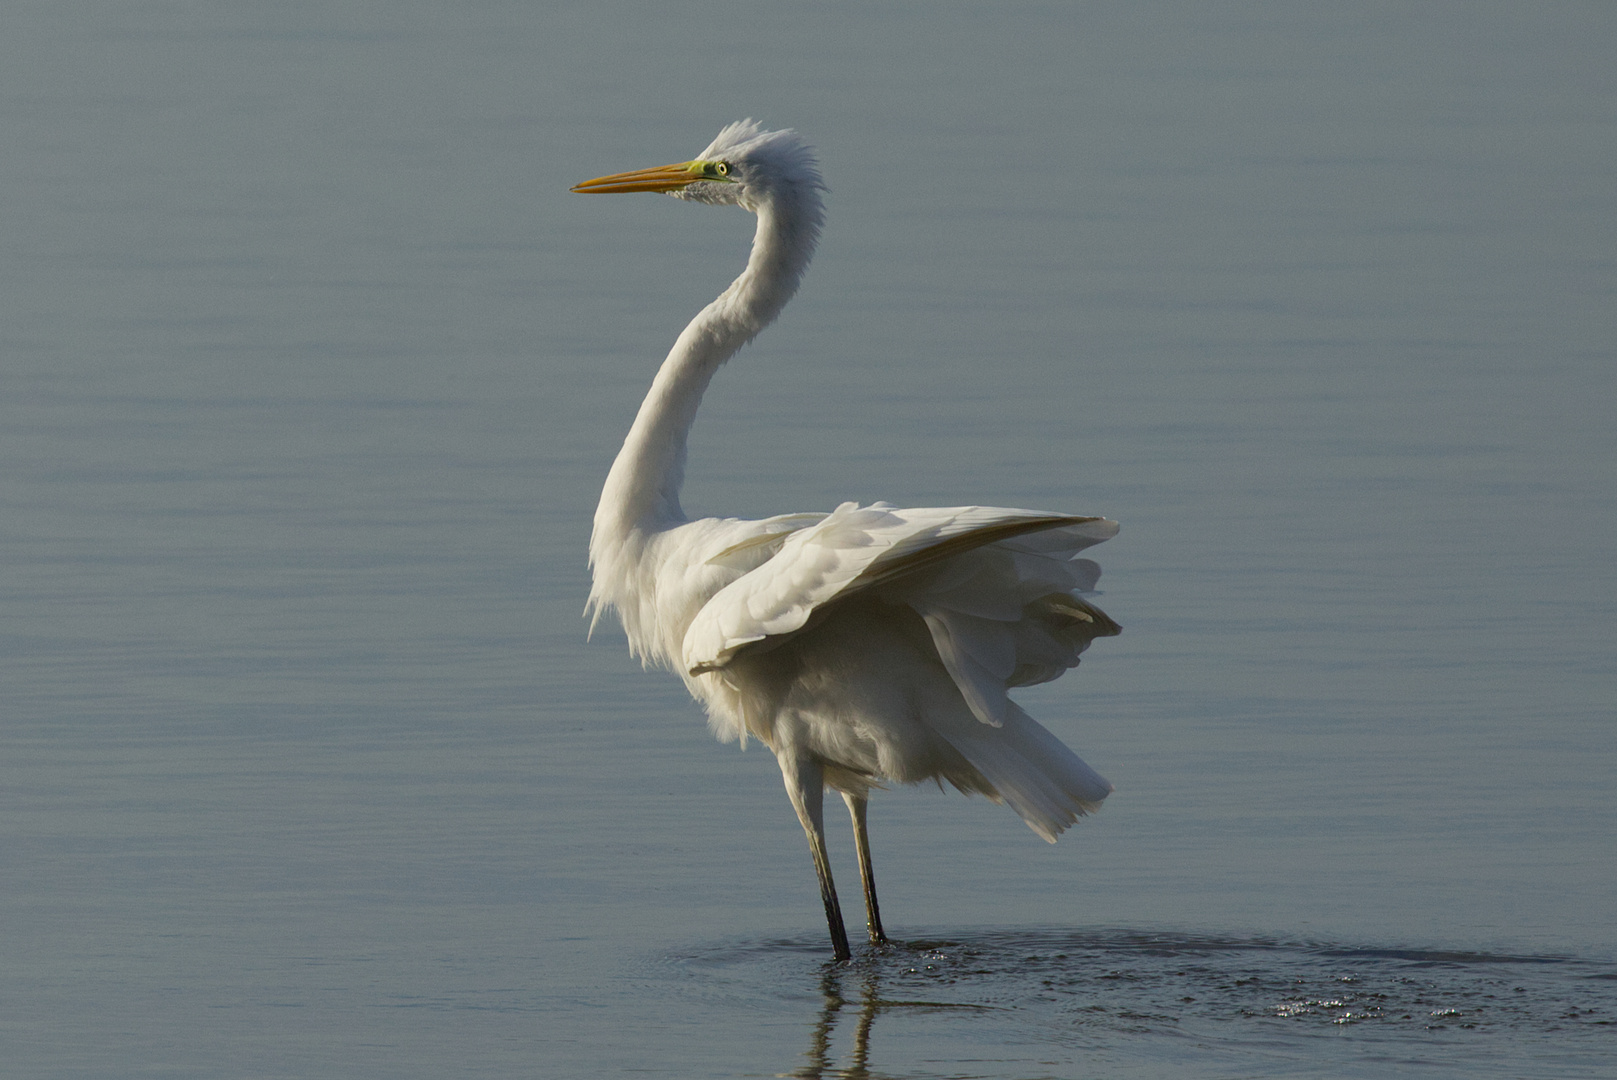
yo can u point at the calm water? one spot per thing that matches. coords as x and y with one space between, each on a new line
311 369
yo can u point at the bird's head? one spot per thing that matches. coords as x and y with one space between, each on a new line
745 166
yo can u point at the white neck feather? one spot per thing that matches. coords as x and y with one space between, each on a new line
641 494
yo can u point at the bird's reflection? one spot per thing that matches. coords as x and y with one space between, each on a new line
856 989
820 1065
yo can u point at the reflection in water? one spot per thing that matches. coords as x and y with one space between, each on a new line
819 1051
1085 991
866 975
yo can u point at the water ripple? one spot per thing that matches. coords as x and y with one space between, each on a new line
1140 994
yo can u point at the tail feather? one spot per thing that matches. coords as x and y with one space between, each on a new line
1048 785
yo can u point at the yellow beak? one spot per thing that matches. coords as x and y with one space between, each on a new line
663 178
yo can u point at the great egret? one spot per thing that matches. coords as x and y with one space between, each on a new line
872 643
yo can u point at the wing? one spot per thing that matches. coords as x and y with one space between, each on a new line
1007 615
996 587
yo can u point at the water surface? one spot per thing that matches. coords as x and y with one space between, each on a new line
311 371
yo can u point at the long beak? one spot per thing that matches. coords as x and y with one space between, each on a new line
663 178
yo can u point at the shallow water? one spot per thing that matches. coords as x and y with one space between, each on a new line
1133 1002
312 369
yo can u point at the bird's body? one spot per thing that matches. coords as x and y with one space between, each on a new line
866 645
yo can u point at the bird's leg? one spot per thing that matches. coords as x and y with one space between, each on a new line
805 784
861 842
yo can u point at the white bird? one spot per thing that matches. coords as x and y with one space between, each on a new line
866 645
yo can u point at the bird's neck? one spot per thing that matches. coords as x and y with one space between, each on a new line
641 494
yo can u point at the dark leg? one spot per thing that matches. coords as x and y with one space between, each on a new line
861 841
805 783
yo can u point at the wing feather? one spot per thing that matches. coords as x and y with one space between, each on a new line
855 549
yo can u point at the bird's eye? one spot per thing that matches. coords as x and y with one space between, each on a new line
722 168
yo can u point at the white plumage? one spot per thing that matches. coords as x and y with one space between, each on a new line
870 644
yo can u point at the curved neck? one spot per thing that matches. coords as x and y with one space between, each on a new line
642 489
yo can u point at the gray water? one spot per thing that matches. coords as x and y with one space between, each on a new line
311 369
